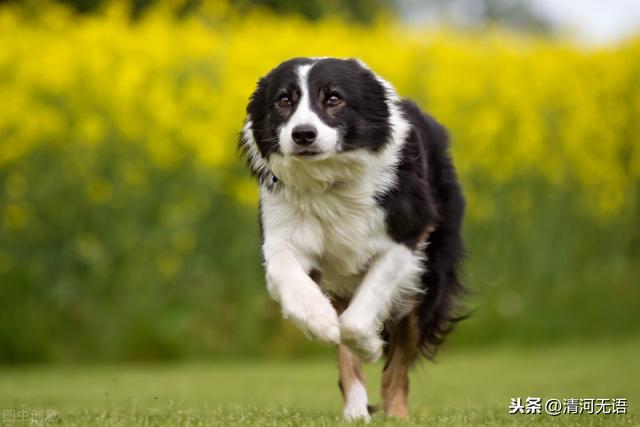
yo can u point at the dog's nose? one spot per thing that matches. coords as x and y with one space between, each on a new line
304 134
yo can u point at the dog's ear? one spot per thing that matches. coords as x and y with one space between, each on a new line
257 102
258 113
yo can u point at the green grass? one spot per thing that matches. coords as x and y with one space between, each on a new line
464 388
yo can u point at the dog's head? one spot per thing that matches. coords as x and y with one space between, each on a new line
311 109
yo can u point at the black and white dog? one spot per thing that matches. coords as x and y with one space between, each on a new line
361 215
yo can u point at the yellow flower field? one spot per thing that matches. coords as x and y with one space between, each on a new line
515 105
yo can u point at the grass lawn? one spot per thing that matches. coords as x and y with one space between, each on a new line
463 388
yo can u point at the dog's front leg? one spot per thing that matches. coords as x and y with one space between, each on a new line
391 274
301 299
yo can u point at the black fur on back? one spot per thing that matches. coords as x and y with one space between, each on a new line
428 196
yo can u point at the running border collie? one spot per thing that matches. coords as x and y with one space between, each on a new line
361 215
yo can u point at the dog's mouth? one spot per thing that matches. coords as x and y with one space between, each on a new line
307 153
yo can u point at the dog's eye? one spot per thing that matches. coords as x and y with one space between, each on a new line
333 100
283 101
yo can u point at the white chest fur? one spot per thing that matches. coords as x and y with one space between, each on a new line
327 213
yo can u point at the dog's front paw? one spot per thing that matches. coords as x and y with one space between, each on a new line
361 337
355 408
314 315
357 413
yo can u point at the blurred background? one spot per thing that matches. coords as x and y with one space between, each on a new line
128 225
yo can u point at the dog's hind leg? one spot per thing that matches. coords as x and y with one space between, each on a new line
402 351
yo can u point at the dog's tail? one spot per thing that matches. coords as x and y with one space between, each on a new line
440 307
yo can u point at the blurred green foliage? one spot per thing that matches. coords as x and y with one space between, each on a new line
167 268
518 15
357 10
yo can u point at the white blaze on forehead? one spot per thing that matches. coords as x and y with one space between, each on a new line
327 137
